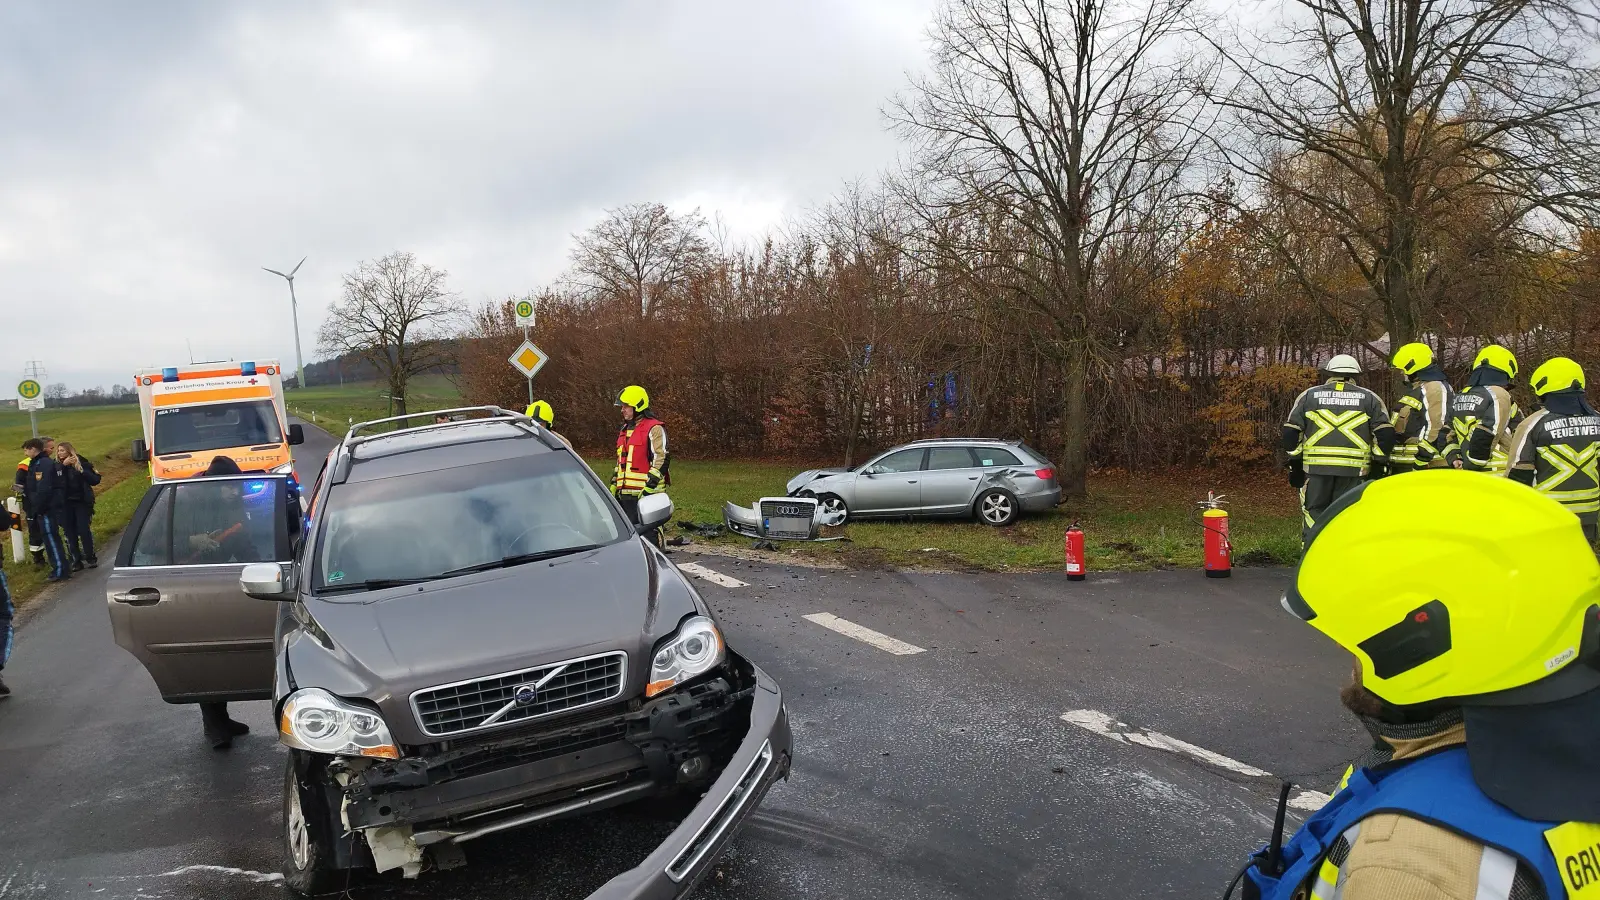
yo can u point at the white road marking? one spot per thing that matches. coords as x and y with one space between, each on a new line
865 635
258 877
1105 725
711 575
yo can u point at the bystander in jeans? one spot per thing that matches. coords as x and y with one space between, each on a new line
78 478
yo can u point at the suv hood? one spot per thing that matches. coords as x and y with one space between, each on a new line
620 597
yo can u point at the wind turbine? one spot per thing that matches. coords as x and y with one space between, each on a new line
294 309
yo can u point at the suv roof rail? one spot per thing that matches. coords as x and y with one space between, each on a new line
957 440
494 412
353 438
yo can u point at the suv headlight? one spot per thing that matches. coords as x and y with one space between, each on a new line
316 720
697 648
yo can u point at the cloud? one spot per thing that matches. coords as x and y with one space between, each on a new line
154 158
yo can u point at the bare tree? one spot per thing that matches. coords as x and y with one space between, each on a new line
1384 119
1064 125
639 256
396 314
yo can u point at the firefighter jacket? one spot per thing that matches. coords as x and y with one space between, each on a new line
1555 451
1482 419
1418 828
642 458
1337 428
1421 421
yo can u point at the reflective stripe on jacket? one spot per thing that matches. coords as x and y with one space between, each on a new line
1338 422
641 453
1563 453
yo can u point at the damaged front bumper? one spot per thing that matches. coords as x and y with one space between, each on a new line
780 518
467 791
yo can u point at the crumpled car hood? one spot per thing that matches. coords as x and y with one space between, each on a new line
810 475
620 597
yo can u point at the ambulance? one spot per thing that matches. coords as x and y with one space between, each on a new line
193 414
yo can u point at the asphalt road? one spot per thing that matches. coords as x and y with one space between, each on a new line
947 773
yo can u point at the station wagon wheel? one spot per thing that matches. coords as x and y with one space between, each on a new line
833 504
996 507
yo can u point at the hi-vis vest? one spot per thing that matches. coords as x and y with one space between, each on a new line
634 462
1438 789
1562 451
1488 407
1336 421
1421 432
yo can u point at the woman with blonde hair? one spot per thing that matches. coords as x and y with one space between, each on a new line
79 477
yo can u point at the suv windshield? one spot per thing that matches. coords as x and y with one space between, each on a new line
215 426
433 524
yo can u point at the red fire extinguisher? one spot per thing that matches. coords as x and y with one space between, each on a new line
1076 568
1219 551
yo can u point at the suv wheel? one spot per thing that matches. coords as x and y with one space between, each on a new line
996 507
307 851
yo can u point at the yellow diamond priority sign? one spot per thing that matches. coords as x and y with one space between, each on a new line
528 359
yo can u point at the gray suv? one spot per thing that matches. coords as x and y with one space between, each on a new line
460 634
992 481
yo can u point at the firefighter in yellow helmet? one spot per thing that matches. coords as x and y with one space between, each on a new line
642 457
1555 448
541 411
1483 416
1475 628
1421 418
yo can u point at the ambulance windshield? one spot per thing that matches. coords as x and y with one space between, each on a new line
216 426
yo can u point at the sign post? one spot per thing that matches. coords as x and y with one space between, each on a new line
528 359
30 396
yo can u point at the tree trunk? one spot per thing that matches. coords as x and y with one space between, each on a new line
1074 475
397 390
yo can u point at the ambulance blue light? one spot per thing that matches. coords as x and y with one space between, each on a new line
169 374
247 369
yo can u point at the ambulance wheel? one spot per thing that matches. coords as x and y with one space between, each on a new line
997 507
833 503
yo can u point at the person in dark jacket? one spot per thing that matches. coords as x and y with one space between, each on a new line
46 500
220 729
7 634
78 479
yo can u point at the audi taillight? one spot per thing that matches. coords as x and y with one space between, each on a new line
1046 474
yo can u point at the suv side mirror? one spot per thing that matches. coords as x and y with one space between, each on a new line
297 435
266 581
654 511
140 453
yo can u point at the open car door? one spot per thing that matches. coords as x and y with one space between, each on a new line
174 595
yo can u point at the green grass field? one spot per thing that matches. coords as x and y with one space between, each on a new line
1139 521
335 407
103 435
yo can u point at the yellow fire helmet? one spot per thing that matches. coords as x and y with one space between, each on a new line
1413 358
1491 597
634 396
1497 357
1557 375
541 410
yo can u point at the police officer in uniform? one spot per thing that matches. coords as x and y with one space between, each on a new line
1555 448
1483 417
642 457
1421 420
1475 674
1338 433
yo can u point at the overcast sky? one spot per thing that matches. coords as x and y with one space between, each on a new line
154 156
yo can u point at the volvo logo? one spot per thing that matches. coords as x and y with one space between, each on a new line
526 694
